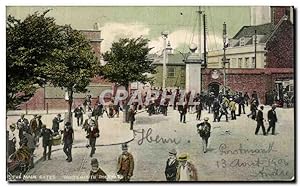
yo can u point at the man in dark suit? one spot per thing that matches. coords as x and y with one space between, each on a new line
216 109
55 123
22 125
47 141
131 116
68 138
260 121
78 112
171 166
182 111
204 131
92 134
272 118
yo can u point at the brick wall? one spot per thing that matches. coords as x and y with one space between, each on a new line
280 47
249 80
277 12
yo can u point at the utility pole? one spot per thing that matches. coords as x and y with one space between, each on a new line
255 41
164 36
224 56
199 49
204 40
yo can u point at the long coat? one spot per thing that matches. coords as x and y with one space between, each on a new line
192 170
47 137
55 123
171 170
125 165
99 175
93 133
131 115
272 117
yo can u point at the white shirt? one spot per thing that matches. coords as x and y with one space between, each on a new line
11 135
184 173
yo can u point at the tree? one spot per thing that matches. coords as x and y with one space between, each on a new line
127 61
74 67
30 45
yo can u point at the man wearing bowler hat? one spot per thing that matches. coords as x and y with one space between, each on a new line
272 118
171 166
96 174
125 164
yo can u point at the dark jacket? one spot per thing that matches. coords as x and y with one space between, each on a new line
47 137
204 129
272 117
131 115
68 136
55 123
171 170
260 116
78 112
93 133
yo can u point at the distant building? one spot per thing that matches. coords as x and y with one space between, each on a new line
272 72
54 97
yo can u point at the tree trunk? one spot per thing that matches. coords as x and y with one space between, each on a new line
70 106
125 106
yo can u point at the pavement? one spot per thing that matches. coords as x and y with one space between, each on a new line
235 153
112 132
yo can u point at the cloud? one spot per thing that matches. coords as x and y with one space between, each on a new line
179 39
112 31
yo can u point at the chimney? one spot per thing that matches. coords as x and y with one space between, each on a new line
277 12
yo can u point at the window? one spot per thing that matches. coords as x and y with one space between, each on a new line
242 41
247 62
253 62
240 61
233 63
171 72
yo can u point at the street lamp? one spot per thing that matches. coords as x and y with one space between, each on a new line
164 36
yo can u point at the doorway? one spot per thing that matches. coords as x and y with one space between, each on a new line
214 87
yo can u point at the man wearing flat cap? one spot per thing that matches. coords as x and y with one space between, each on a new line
204 132
125 164
186 171
272 118
171 166
96 174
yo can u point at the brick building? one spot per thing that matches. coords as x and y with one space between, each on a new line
54 98
274 74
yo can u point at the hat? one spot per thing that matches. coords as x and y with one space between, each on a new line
39 116
124 146
59 115
172 152
230 99
43 126
206 118
68 124
12 125
35 115
94 162
274 106
183 157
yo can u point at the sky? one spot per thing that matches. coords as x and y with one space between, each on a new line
182 22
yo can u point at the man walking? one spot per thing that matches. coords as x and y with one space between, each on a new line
47 141
171 166
92 134
199 108
78 112
223 110
131 116
260 121
216 108
68 138
232 107
182 111
204 132
272 118
125 164
55 123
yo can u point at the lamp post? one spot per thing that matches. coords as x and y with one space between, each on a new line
164 36
224 56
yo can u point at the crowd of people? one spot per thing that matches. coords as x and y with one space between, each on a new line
177 169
